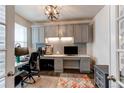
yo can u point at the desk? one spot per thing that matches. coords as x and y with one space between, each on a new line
17 65
20 63
84 61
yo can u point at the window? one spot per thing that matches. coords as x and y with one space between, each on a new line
2 14
2 46
20 35
120 41
2 36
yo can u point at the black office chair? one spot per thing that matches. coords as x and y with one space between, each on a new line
31 69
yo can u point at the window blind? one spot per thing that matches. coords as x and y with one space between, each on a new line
2 45
2 14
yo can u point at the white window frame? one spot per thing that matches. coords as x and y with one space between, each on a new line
2 77
118 49
25 43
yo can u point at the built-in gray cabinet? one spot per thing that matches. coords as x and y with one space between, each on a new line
59 31
51 31
37 36
62 30
82 33
78 33
70 30
58 65
85 64
85 33
66 30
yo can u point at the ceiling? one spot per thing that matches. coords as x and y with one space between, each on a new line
35 13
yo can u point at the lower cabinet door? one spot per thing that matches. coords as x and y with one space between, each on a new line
58 65
85 65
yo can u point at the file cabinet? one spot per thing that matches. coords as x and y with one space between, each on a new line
100 76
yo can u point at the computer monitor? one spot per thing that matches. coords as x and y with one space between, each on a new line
70 50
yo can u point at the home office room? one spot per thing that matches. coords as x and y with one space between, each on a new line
61 46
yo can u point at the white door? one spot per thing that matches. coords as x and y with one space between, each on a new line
6 46
116 70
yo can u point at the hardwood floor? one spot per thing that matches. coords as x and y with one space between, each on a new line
73 71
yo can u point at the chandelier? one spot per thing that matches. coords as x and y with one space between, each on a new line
52 12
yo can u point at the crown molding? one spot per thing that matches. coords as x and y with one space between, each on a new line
38 24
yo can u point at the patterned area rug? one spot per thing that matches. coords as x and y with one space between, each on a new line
62 81
74 81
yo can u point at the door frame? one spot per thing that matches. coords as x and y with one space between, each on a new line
114 69
113 66
10 58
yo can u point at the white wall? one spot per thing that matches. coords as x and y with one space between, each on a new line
101 45
22 21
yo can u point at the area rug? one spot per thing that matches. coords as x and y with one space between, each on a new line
65 80
74 81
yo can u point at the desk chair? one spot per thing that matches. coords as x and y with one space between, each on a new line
31 69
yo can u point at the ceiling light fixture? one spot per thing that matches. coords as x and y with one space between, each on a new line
52 12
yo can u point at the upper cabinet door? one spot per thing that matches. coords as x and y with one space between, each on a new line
51 31
66 30
85 33
62 30
69 30
78 33
82 34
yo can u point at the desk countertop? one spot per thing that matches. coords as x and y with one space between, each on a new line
66 55
20 63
